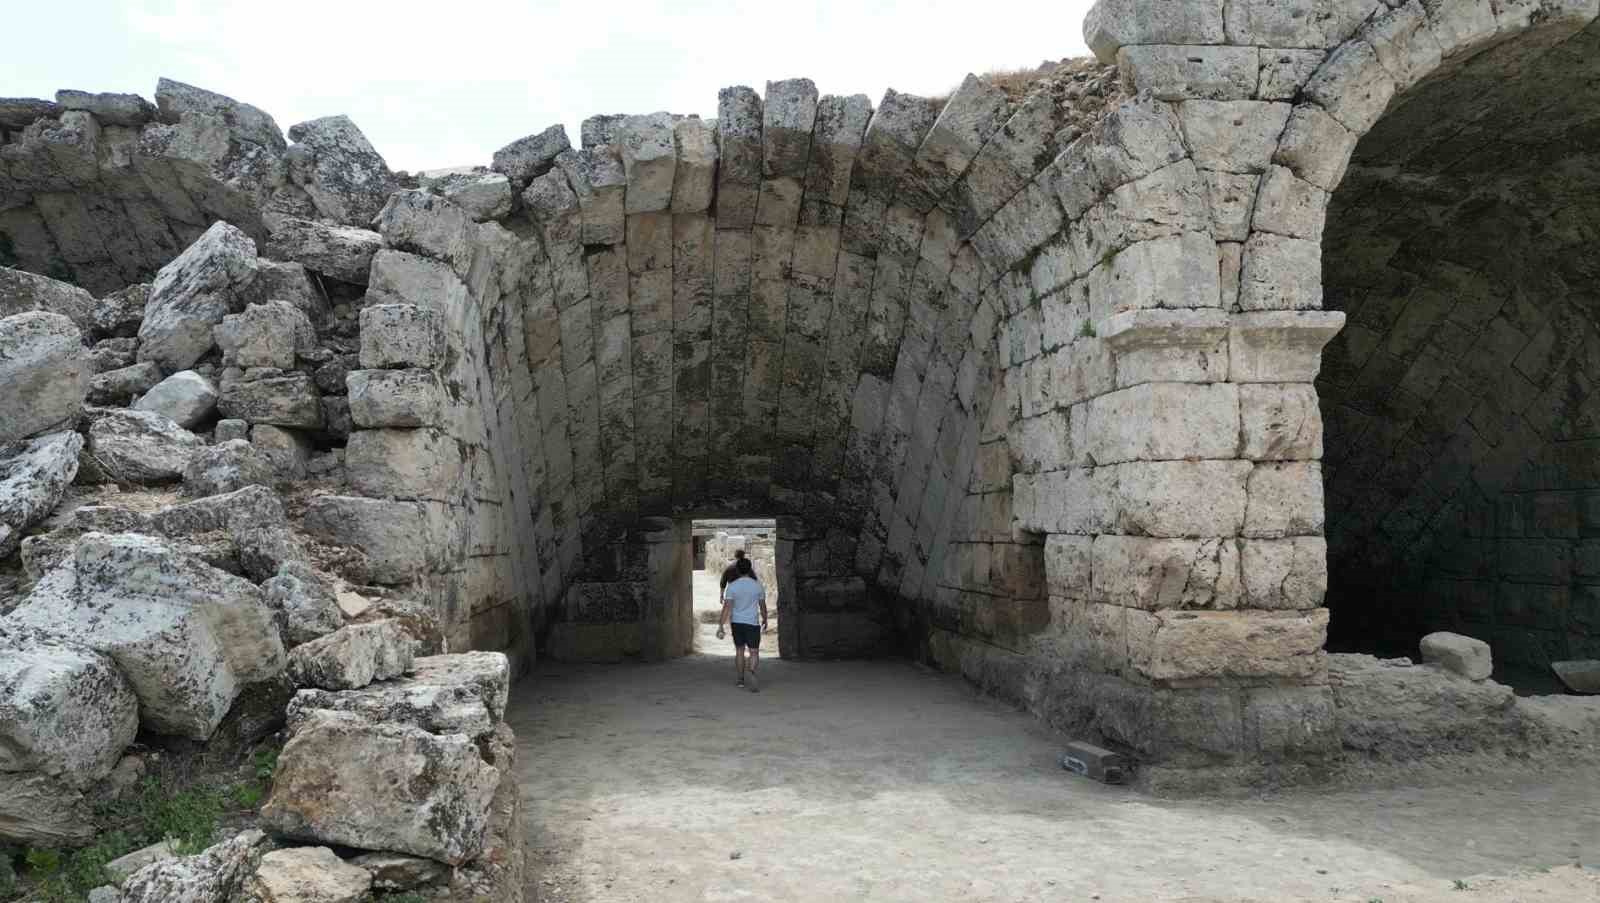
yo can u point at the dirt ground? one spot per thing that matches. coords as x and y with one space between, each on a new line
887 781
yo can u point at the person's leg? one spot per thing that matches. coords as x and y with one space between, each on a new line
755 659
738 661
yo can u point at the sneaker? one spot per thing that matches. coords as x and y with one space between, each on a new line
754 687
740 684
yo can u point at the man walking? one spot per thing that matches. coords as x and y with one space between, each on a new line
731 572
743 599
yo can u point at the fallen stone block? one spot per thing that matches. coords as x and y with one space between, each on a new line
391 534
124 384
217 875
339 168
339 252
401 335
395 398
352 657
304 608
343 780
120 313
185 397
444 694
265 335
34 475
193 293
44 373
307 875
36 810
119 870
21 292
141 446
421 223
397 873
65 711
1399 710
272 396
1458 654
225 467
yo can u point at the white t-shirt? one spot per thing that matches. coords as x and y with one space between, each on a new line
746 594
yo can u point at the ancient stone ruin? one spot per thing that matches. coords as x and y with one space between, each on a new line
1127 392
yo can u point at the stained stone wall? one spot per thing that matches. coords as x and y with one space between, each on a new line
1461 421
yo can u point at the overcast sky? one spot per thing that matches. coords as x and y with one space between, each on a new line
446 84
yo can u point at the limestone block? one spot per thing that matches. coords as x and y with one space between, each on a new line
649 242
44 371
600 182
1068 565
840 125
973 113
1176 498
214 876
649 158
1285 500
1156 574
1284 72
403 464
353 656
1290 573
1179 271
482 195
265 335
113 354
123 867
345 781
110 109
302 606
229 465
1164 422
308 875
286 452
118 387
411 397
1404 43
464 693
1461 28
339 252
1167 345
1113 24
187 636
788 114
421 223
401 335
340 170
1352 86
140 446
739 117
1233 135
39 811
1171 72
1168 202
1280 346
65 711
21 292
1458 654
227 430
391 534
1320 23
554 206
266 395
193 293
1134 140
34 475
525 159
693 182
1231 199
1280 274
1290 722
244 122
1194 647
1401 710
1289 205
185 397
394 872
1279 422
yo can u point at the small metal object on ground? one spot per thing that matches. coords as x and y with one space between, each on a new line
1099 764
1579 676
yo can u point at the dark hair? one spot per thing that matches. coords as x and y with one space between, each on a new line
738 554
744 567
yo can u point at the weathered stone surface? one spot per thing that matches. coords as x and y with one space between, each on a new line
1279 422
120 313
1182 646
230 429
525 159
267 395
306 875
281 280
34 474
286 451
215 876
1154 574
599 181
352 657
401 335
186 398
391 534
1395 709
305 610
649 159
36 810
1112 24
123 867
44 371
265 335
693 182
113 354
21 112
402 464
346 781
109 109
1289 573
340 252
193 293
21 292
186 635
1458 654
421 223
972 114
65 712
228 466
397 873
1171 72
483 195
140 446
120 386
444 694
339 168
391 398
739 144
245 122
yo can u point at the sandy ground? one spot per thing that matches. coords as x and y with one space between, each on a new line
887 781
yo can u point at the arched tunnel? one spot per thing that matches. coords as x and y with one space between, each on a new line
1462 429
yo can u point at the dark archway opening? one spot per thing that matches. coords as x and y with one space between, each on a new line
1462 429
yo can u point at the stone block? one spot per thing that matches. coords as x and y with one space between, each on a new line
1458 654
1164 422
1290 573
44 371
1317 24
353 656
401 335
1113 24
1281 273
1352 86
1284 72
1231 199
649 159
265 395
65 711
414 221
1237 136
285 451
1279 422
739 115
789 113
191 294
309 874
1316 146
1194 648
527 158
391 534
338 252
1290 722
1167 345
34 476
265 335
1175 498
1155 574
419 464
395 398
186 398
600 182
140 446
1279 346
1289 205
693 182
1285 500
1172 72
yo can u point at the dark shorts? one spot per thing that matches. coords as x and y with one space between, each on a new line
746 635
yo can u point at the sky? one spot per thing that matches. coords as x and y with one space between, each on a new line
446 84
